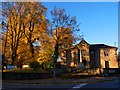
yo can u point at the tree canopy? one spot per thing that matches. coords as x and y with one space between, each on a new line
63 29
24 23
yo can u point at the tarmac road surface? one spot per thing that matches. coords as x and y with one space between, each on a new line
111 85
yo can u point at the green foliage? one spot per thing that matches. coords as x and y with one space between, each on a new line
34 64
48 64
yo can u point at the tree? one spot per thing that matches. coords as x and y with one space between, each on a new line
24 23
66 40
63 29
14 29
35 23
46 52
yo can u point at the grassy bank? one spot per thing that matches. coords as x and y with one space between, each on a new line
27 70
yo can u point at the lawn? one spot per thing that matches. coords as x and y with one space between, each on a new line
26 70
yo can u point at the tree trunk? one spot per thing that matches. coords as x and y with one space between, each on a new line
56 53
32 49
13 59
55 60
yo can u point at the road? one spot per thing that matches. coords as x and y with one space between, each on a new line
108 84
101 85
14 86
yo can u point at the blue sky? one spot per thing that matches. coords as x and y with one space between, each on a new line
99 20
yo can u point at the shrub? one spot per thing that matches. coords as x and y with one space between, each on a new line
34 65
48 65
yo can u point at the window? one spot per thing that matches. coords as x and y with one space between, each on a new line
106 53
83 52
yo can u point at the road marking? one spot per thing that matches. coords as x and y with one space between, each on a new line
80 85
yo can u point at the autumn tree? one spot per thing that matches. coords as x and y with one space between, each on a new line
36 29
46 52
66 40
14 29
63 29
24 23
35 23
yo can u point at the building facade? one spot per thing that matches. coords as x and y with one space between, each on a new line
103 56
76 56
90 56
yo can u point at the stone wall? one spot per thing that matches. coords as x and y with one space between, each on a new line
111 58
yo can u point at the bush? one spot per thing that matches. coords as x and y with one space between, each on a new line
34 64
48 64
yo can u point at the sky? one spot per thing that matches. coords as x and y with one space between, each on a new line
99 20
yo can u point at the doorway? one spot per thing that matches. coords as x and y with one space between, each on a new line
106 64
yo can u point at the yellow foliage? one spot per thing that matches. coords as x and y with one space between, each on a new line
24 26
